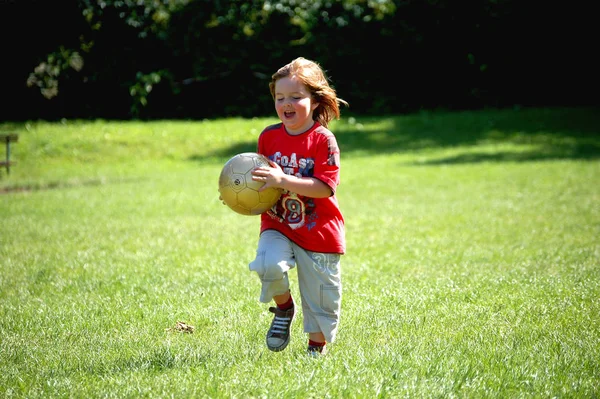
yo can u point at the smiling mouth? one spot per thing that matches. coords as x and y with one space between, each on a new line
289 114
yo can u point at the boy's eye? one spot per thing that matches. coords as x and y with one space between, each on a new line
295 98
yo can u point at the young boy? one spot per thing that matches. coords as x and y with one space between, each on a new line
305 228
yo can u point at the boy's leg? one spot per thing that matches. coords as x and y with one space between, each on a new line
319 280
274 258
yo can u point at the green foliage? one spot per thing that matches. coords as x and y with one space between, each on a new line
215 58
147 16
46 75
142 88
472 267
208 36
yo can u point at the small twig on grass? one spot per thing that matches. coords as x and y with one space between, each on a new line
181 326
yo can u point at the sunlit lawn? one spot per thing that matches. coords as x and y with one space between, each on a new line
473 264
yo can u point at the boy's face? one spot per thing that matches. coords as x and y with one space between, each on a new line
294 105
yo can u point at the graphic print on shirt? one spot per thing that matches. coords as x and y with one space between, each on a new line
294 210
333 158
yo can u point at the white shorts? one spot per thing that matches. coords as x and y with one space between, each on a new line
319 280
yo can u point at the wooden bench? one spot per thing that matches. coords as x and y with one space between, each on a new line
8 138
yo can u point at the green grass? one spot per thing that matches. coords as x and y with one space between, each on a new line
473 264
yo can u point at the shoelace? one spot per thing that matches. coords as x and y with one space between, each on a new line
280 324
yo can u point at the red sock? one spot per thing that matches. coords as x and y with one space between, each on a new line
287 305
315 343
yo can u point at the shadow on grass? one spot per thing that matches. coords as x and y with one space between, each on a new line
64 184
227 152
532 134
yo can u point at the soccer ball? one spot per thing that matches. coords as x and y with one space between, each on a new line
239 191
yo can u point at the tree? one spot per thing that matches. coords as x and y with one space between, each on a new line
133 46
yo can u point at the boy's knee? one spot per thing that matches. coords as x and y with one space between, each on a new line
269 270
275 271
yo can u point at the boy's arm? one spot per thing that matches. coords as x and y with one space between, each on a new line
306 186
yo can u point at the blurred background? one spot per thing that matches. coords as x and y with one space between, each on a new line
190 59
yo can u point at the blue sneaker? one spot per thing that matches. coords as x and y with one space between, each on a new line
316 351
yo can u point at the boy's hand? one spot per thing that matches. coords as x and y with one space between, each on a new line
272 176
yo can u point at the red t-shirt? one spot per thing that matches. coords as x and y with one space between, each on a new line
315 224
